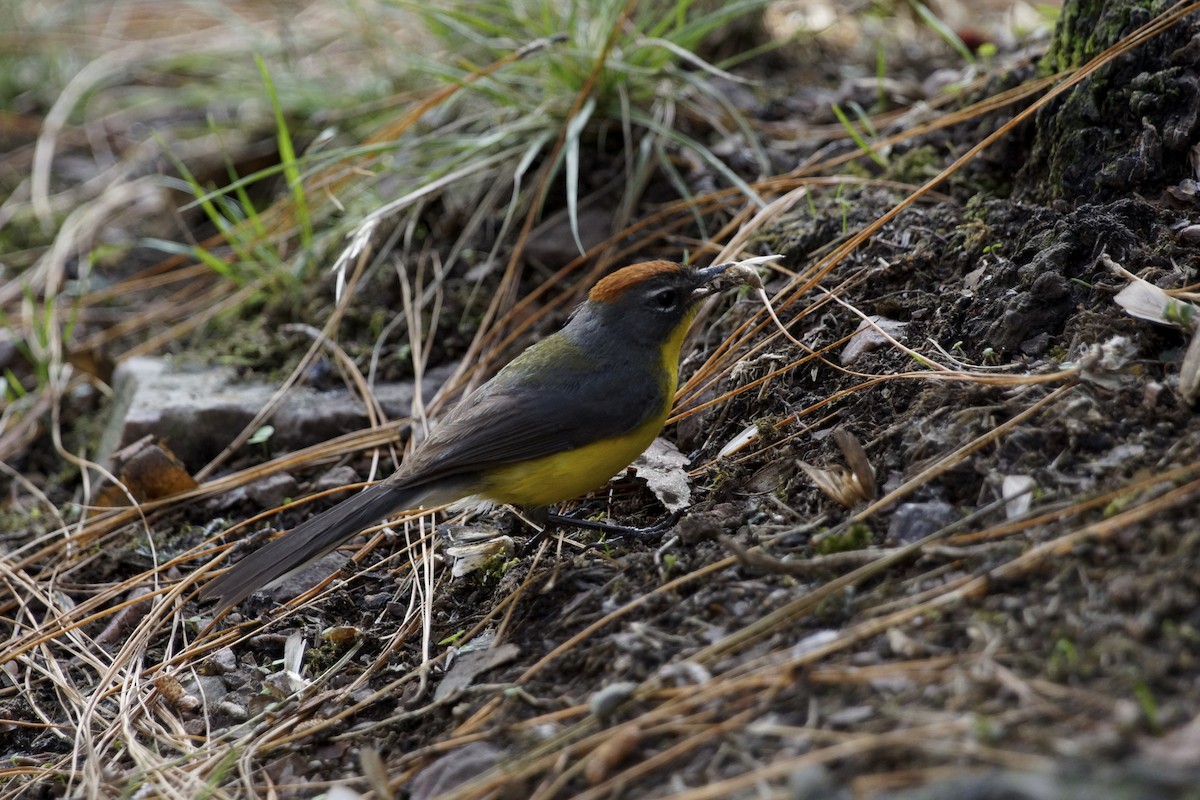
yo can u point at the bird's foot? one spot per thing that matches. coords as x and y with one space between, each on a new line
651 533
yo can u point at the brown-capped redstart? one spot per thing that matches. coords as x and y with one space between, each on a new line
558 421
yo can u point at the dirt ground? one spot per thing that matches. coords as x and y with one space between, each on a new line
943 643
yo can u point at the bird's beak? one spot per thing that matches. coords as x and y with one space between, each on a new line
720 277
705 276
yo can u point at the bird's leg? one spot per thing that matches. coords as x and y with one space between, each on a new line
542 517
651 533
538 517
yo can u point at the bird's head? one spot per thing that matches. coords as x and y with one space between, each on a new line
650 301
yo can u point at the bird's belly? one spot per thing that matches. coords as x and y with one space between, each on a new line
561 476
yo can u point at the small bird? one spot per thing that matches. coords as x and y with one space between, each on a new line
558 421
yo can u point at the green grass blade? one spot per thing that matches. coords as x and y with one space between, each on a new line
574 133
287 156
943 30
853 133
706 155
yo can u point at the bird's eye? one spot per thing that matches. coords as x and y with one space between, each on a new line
664 298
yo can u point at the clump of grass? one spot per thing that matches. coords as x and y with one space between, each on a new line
612 77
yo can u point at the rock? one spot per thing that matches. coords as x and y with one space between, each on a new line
273 490
197 411
913 521
454 768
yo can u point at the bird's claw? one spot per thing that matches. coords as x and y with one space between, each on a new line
650 533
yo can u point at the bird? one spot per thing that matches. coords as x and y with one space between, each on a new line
556 422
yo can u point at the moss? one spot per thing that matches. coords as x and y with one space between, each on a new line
1127 128
915 166
1087 28
856 537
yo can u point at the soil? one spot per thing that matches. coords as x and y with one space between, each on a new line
943 644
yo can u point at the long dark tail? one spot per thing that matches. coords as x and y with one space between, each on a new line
309 541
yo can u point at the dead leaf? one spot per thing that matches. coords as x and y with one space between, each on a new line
469 548
1017 491
663 468
616 749
471 665
846 486
149 471
871 334
1189 370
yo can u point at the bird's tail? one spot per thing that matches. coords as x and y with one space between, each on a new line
310 540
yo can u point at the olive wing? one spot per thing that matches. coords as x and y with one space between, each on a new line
516 418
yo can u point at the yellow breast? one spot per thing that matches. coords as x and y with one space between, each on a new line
548 480
551 479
